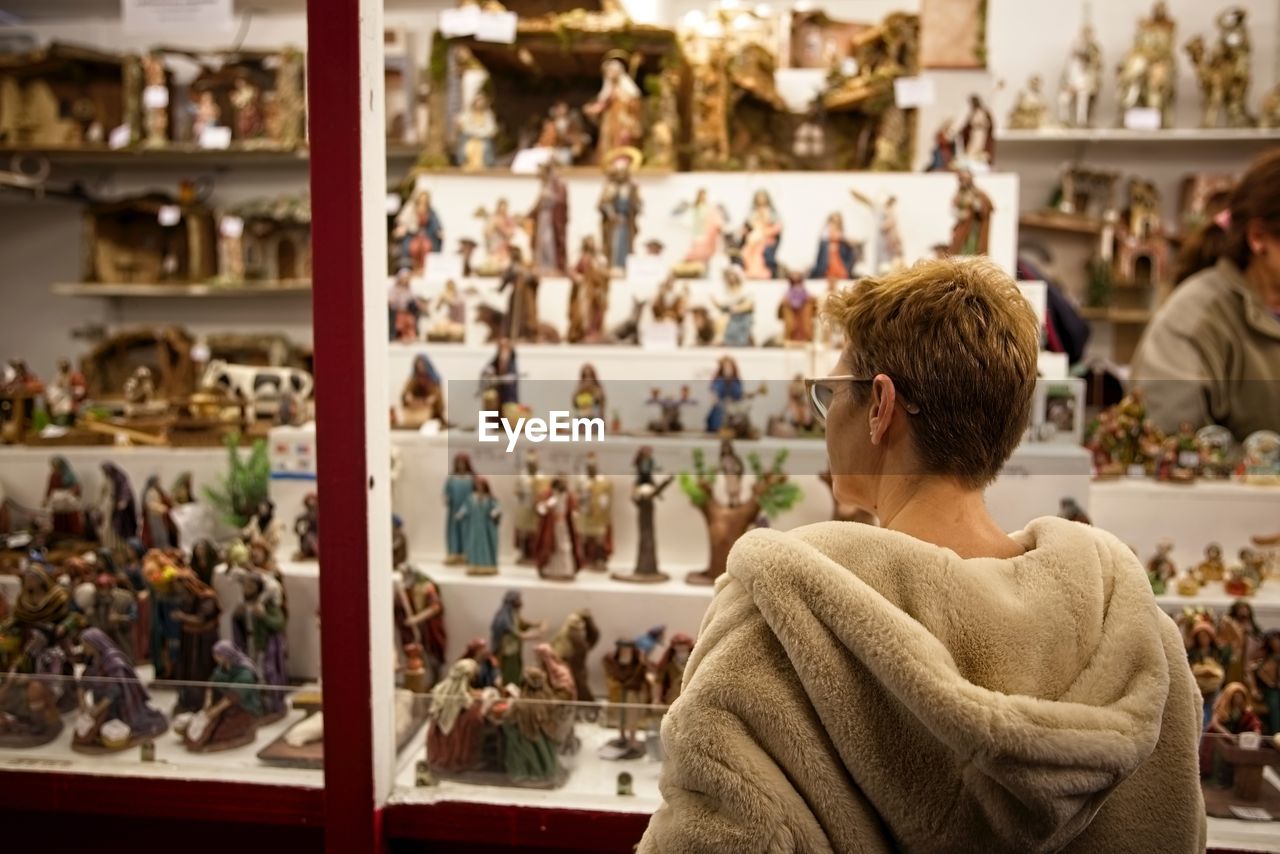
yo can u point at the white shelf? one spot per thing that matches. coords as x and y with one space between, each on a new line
1142 137
183 291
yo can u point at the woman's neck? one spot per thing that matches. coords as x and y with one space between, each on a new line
941 512
1267 287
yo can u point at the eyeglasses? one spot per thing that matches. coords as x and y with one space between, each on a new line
822 390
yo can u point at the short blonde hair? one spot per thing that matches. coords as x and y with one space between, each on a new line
960 342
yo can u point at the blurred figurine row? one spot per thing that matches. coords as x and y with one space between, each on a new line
1243 578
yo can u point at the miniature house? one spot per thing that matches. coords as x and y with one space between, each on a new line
60 96
167 352
258 96
272 243
149 239
1141 247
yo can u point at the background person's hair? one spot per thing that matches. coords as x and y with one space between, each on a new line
1256 196
959 341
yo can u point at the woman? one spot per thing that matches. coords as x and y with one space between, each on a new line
118 508
456 728
422 397
499 233
479 517
458 487
196 610
588 397
62 497
117 698
836 256
707 224
158 530
1232 715
232 705
760 238
1211 355
933 683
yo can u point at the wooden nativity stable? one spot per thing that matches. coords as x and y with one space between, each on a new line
148 239
270 241
61 95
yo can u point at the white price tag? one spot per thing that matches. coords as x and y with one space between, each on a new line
529 160
1188 459
499 27
441 267
659 335
459 22
174 15
170 215
646 268
393 204
155 97
120 137
231 226
910 92
215 137
1142 118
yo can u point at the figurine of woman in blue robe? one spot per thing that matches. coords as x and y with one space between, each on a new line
480 517
741 311
619 208
726 386
457 492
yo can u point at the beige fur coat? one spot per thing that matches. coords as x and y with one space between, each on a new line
857 690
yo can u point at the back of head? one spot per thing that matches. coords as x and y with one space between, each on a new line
1255 197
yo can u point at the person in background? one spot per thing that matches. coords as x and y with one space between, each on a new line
1211 355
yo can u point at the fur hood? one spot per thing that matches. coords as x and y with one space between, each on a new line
856 689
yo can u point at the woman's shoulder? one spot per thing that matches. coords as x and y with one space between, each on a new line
1202 296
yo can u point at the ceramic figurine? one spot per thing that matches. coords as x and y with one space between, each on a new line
563 132
1216 447
521 321
589 295
1240 638
564 688
1269 117
258 626
884 214
508 633
1212 568
480 516
1253 567
161 569
115 710
140 394
158 529
577 636
500 380
759 238
669 419
1161 569
972 209
530 484
458 488
1266 680
417 232
797 311
588 395
264 526
670 304
617 108
404 308
205 114
626 679
549 219
456 721
488 671
65 394
1232 715
977 142
307 527
29 714
246 98
558 552
64 499
43 626
796 417
107 604
667 674
155 79
422 396
1205 658
739 308
476 128
450 310
1223 72
644 492
1030 112
117 508
1070 509
660 149
707 224
529 730
770 493
232 706
419 616
499 236
594 523
837 257
195 609
1187 583
730 415
1148 75
620 207
1081 81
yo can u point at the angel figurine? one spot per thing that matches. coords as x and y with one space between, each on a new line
706 224
1081 81
884 213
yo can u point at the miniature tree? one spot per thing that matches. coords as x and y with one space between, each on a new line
244 486
771 494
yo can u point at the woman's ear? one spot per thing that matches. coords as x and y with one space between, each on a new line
881 410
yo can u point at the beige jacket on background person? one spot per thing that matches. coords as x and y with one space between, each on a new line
854 689
1211 355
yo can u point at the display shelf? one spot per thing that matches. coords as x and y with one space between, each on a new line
182 291
1050 220
1228 834
180 155
1120 316
1213 136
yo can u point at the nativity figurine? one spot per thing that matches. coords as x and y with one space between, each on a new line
64 501
258 626
645 491
500 379
404 308
739 310
115 709
588 395
457 721
1224 71
548 221
458 488
158 528
531 731
422 396
669 419
1161 568
667 674
417 232
476 128
1212 568
563 132
108 605
449 320
588 295
194 607
594 522
706 224
972 210
617 109
508 633
117 509
499 236
884 216
977 138
759 238
797 311
620 207
233 704
1147 78
1081 81
837 257
530 484
1030 112
521 321
572 643
626 677
480 516
558 553
307 528
670 304
65 394
419 616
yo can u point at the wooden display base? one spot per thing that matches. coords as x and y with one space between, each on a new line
74 437
311 756
640 577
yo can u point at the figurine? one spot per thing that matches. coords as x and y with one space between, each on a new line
1261 457
730 416
140 394
626 678
1187 584
760 237
972 209
404 308
418 231
1148 76
563 132
558 553
1266 681
1070 509
549 219
664 120
458 489
616 109
1030 112
480 516
1224 72
206 114
246 98
500 381
797 416
708 220
669 419
1206 660
943 155
529 730
626 786
1232 715
449 324
263 527
670 304
976 138
1239 638
456 721
1252 569
1161 569
258 627
644 492
195 608
155 96
521 321
422 397
562 715
117 508
1269 118
770 493
578 635
29 714
65 394
307 527
1211 568
884 214
508 633
589 295
232 707
594 523
419 616
619 206
837 256
488 671
797 311
499 236
476 129
667 675
158 530
44 626
63 498
115 710
1081 81
530 485
740 311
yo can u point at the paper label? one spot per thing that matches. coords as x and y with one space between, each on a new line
529 160
393 203
215 137
176 15
659 335
170 215
231 226
441 267
646 267
910 92
459 22
1142 118
499 27
155 97
120 137
1188 459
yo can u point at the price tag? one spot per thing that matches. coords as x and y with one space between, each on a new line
231 226
155 97
499 27
459 22
659 335
910 92
1142 118
1188 459
174 15
170 215
529 160
215 137
393 204
442 267
120 137
646 268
